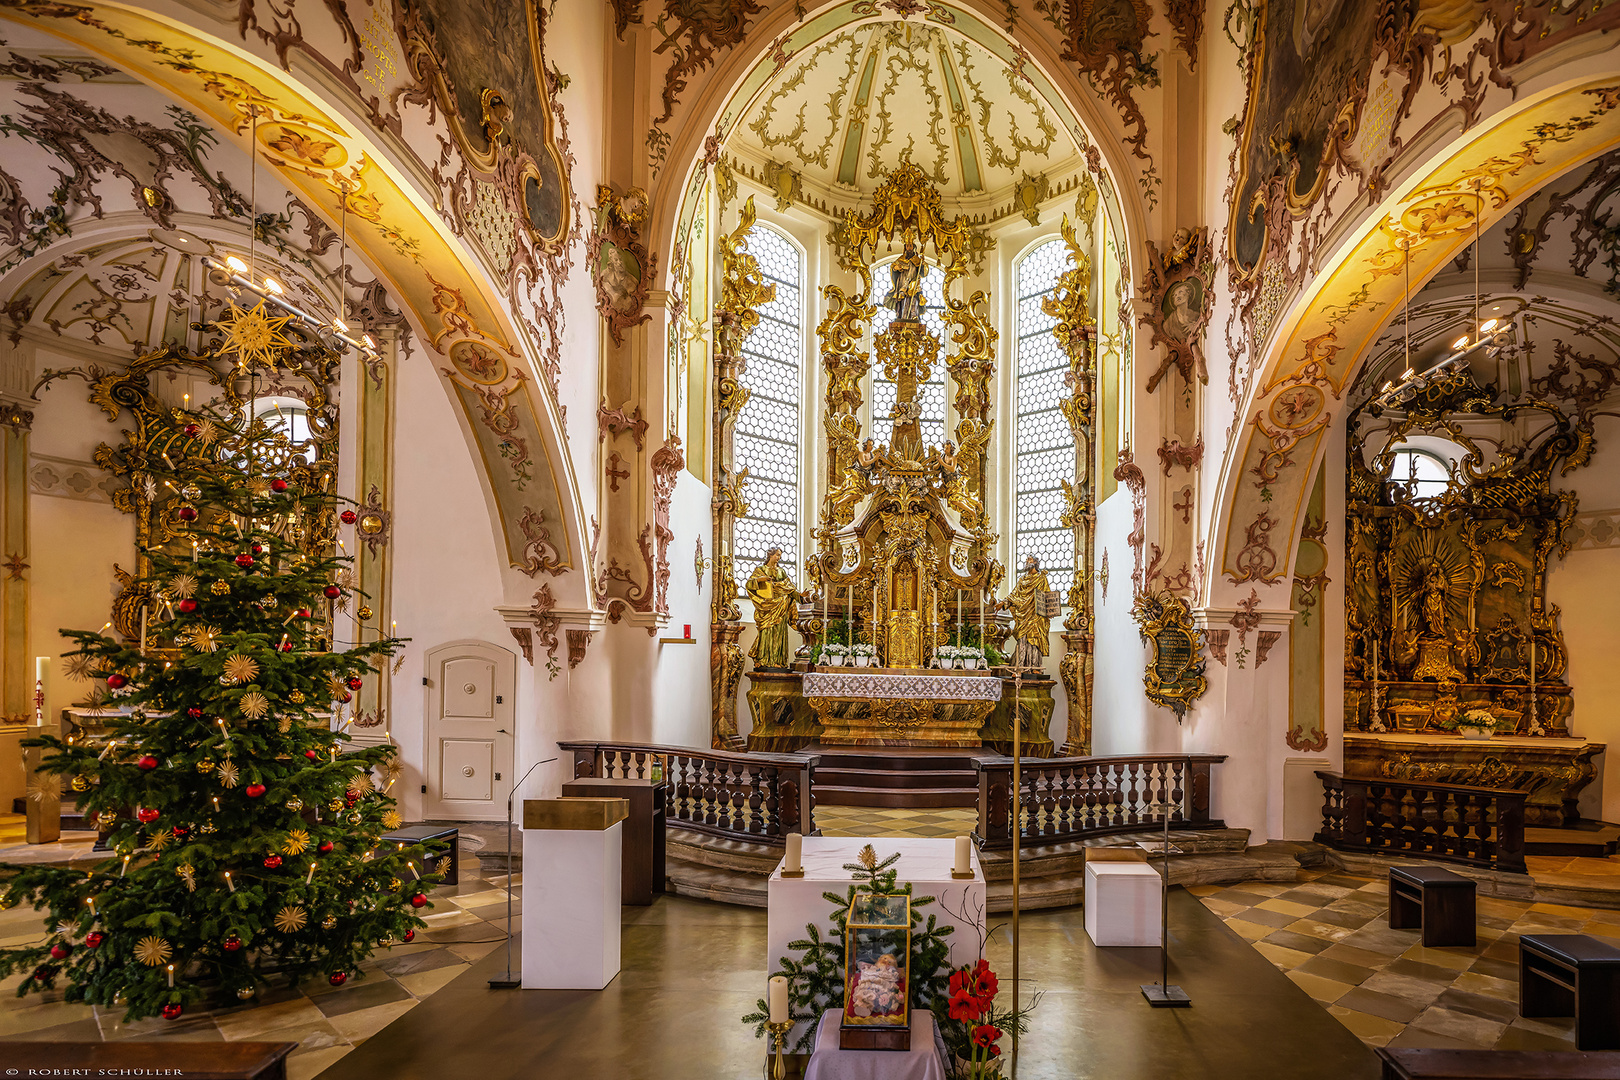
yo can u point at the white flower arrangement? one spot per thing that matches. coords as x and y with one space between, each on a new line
948 652
832 653
1481 718
864 649
970 652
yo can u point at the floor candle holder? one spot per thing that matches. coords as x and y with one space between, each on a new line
780 1033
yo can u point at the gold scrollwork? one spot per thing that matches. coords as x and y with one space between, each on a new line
1175 672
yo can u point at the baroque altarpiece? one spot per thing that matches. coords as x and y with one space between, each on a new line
903 559
1447 620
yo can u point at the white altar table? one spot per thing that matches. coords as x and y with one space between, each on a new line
925 863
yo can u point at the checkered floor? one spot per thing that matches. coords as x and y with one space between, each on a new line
878 821
1329 932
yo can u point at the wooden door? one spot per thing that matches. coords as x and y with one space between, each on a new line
470 690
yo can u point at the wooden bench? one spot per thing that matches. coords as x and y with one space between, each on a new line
1498 1065
192 1060
1573 975
1439 901
417 834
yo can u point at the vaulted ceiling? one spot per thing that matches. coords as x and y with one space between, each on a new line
843 114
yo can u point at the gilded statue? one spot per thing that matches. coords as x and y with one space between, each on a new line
1031 626
774 596
905 296
1435 587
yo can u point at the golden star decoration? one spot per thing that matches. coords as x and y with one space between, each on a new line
254 705
189 874
296 843
360 783
67 930
335 689
391 820
206 431
153 951
284 725
78 668
241 669
203 639
291 919
253 336
228 776
183 586
43 786
160 839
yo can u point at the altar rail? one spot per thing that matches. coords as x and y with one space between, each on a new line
757 797
1481 827
1068 799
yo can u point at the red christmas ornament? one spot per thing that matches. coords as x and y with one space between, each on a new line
116 680
93 939
303 613
180 832
346 697
147 815
187 513
187 606
172 1011
417 901
195 713
285 646
409 934
325 847
253 791
338 978
244 560
258 549
232 943
43 972
61 950
355 682
351 799
278 485
332 592
148 762
272 861
349 517
192 430
311 754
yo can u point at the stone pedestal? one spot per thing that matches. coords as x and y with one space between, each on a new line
573 848
1123 904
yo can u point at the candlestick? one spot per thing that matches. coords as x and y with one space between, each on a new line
309 877
958 616
229 884
849 615
779 1032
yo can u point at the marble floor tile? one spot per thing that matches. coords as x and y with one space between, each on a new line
1416 1038
1312 928
1416 991
1349 954
1471 1030
1267 917
1223 907
48 1014
1476 983
353 998
1481 1005
1287 907
1323 990
1285 959
1373 1030
1249 931
423 983
1338 970
1455 959
247 1025
307 1066
1306 943
1517 1038
362 1024
1386 1006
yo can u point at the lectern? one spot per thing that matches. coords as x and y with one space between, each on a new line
572 849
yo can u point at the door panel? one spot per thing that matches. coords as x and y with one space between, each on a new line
470 712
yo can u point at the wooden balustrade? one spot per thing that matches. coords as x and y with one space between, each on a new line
1481 827
1067 799
757 797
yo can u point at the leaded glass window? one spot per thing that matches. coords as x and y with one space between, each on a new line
767 433
1045 445
931 394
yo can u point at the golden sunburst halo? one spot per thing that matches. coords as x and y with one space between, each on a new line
291 919
153 951
296 843
253 335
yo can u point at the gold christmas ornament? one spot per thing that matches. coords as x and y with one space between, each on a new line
365 613
258 486
67 930
228 775
160 839
254 705
220 588
295 805
78 668
206 765
391 820
81 783
444 865
284 725
355 818
153 951
202 638
254 335
244 993
335 805
208 827
297 842
360 783
329 922
394 884
291 919
296 697
188 873
241 669
268 602
182 586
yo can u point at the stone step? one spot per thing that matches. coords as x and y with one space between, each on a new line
897 798
848 776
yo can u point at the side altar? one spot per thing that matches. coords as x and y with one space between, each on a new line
903 573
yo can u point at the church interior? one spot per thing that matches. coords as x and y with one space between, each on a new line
1083 555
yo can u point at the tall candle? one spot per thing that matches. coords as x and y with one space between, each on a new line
143 629
171 976
42 667
963 864
793 860
779 999
229 884
309 877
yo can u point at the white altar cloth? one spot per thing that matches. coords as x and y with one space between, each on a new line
855 683
924 1061
925 863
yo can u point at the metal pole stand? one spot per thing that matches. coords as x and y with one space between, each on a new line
1162 995
508 980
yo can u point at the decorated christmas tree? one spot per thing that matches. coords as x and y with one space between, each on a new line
245 834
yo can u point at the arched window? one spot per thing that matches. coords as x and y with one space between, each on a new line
931 394
1044 445
767 433
1423 473
289 416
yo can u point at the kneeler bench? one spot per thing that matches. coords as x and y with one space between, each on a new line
1434 898
1573 975
1498 1065
192 1060
417 834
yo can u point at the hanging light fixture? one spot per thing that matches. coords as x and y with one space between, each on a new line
1483 335
241 277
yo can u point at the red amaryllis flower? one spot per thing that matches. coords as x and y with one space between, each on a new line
995 1051
959 981
984 982
985 1035
963 1006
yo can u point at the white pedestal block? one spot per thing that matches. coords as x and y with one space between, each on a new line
571 907
1123 903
